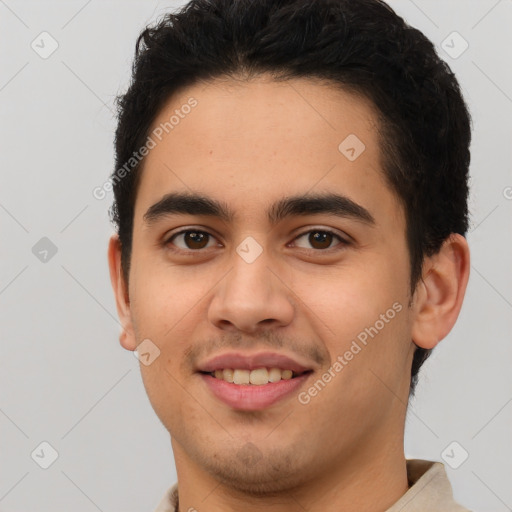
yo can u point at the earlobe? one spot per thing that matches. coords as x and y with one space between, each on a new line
127 337
440 293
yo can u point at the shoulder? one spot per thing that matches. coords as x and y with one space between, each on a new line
429 489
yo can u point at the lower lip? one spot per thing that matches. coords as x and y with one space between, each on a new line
250 397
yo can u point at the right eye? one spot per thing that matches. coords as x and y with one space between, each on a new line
190 240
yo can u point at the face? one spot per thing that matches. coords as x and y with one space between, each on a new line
248 279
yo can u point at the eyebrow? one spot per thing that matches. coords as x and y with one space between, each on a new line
302 205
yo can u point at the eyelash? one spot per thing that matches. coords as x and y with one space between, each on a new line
343 242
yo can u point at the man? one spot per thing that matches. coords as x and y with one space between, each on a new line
291 204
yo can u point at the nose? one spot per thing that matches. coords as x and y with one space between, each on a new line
251 297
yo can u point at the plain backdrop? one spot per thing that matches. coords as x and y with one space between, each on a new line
65 380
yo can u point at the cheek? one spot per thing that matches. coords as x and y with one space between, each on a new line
164 299
360 315
366 372
346 299
159 314
165 393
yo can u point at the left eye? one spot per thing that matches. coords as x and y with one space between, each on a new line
320 239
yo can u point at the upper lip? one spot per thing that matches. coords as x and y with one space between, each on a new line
241 361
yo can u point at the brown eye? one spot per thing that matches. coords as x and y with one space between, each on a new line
191 240
320 239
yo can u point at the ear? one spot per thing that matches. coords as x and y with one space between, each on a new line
127 336
440 292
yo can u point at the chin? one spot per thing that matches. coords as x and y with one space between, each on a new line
251 472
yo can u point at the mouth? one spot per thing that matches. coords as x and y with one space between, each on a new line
253 382
253 397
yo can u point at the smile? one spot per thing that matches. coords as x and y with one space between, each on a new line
247 396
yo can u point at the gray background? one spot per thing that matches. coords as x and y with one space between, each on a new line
64 378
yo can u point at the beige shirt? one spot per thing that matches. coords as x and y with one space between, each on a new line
429 491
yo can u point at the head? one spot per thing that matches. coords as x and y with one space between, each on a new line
244 103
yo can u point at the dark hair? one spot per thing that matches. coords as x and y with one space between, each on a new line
361 46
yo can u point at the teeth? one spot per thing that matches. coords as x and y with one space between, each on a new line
257 377
227 375
241 376
286 374
274 375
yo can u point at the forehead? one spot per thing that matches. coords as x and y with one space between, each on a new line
248 143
